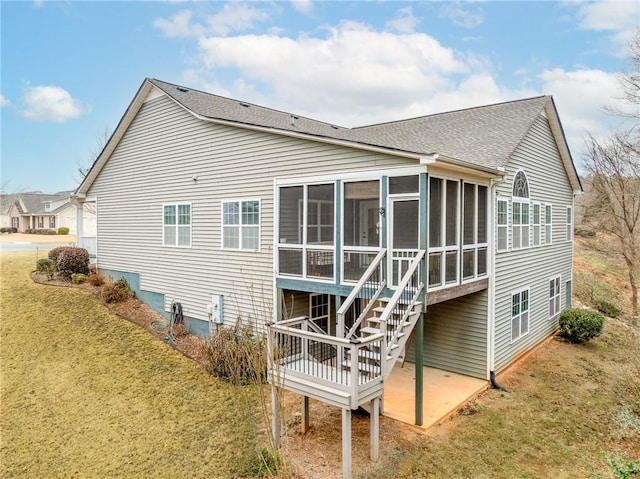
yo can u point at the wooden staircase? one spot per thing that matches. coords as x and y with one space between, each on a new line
394 317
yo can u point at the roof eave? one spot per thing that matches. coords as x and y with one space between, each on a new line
561 141
114 139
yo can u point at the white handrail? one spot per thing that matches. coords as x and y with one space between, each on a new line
357 288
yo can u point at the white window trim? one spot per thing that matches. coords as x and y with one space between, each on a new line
521 201
505 225
177 204
511 317
240 225
556 298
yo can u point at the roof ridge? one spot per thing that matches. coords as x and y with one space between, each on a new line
449 112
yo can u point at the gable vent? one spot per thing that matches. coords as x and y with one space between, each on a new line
182 89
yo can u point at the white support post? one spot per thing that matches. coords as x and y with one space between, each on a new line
305 414
346 443
374 433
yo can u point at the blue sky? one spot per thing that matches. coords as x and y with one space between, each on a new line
70 69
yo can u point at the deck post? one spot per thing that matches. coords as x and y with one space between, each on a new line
275 415
374 432
305 414
419 329
346 443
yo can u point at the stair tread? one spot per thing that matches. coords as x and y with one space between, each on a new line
369 330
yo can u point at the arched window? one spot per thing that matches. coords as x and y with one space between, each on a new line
520 185
520 217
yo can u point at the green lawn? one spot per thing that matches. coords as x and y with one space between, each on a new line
84 393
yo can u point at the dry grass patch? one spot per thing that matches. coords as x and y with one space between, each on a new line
85 393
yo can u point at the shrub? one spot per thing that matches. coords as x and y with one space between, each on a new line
78 278
117 292
580 325
263 462
8 229
607 308
55 252
95 279
73 260
235 355
63 230
51 232
47 267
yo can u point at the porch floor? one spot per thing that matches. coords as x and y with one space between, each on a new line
444 393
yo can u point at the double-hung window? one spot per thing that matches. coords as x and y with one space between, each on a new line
503 225
569 223
554 297
52 222
519 314
537 228
520 211
176 223
548 224
241 225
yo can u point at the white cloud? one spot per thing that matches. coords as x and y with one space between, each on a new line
405 22
303 6
620 17
581 97
462 17
178 26
233 17
4 101
50 103
355 74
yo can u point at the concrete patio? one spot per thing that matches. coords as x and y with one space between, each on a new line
444 393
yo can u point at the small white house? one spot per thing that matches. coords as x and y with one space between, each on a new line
443 240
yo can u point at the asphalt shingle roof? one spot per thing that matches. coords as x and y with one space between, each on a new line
484 136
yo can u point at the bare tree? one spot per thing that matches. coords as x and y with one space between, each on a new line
83 168
614 203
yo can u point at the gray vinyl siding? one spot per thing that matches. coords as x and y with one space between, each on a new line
455 335
164 147
533 267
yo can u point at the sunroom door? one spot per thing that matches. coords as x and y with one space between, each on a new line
403 237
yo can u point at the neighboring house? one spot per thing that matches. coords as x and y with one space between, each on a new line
453 229
37 210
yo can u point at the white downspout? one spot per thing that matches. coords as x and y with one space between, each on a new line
491 307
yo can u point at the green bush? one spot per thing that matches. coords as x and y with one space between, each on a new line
73 261
236 355
117 292
607 308
47 267
580 325
78 278
63 230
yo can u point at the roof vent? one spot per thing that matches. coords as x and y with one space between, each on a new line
246 105
182 89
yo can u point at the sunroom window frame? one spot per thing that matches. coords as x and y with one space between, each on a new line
476 246
443 249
